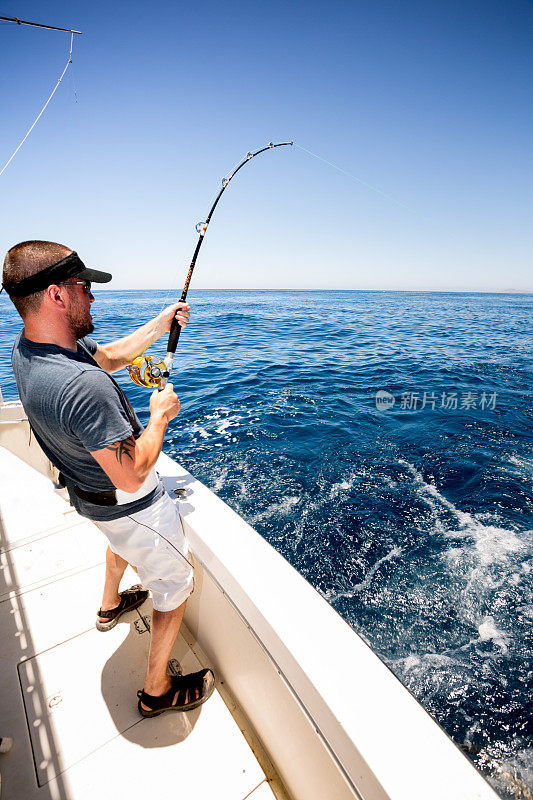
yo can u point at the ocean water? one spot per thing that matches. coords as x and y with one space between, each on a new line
412 517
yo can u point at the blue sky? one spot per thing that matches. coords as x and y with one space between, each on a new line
430 103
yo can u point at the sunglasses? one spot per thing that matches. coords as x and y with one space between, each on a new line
85 284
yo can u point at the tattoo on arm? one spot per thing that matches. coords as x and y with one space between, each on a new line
123 449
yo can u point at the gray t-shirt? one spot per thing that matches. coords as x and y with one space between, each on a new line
75 407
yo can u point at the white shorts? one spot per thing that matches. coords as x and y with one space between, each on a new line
153 541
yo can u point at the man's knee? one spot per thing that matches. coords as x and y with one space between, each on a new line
114 561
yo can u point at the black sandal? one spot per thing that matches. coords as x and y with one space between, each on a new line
177 697
129 599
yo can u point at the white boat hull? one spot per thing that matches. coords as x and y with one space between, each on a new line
325 716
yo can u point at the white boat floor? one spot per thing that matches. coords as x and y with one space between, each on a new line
68 692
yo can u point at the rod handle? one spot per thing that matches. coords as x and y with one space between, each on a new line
174 336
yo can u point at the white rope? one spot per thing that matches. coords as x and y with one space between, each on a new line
43 108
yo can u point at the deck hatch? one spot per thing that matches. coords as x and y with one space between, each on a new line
88 686
80 704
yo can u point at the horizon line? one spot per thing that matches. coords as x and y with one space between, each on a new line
310 289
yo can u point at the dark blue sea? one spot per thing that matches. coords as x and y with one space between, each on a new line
412 515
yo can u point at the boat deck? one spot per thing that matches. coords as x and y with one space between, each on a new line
68 694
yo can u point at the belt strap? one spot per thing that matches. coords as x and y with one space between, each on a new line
115 496
98 498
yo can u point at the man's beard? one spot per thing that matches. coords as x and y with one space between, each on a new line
80 323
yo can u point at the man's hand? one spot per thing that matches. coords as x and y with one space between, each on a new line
119 354
165 403
181 311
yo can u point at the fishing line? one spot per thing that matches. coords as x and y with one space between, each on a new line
183 263
181 266
147 370
72 74
339 169
69 61
151 372
355 178
201 229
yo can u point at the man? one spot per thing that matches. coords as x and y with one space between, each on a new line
87 427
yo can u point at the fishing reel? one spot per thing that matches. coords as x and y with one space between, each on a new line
147 371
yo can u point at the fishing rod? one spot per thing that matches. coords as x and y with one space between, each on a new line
154 372
37 24
69 62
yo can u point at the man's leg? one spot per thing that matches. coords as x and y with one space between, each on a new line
115 567
164 629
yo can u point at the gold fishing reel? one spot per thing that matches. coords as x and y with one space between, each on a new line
147 371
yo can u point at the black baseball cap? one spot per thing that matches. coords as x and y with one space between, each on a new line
70 267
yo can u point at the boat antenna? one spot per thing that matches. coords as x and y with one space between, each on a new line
69 61
150 371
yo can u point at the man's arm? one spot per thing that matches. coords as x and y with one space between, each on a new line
119 354
128 463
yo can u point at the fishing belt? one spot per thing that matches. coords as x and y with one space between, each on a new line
98 498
